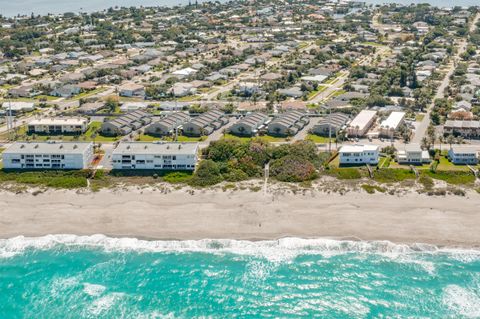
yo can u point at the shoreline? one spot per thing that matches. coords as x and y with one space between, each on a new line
150 214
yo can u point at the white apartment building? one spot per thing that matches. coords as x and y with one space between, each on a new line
392 123
155 156
58 125
360 125
359 154
48 155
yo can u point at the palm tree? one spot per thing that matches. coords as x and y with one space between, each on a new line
425 143
450 140
441 139
431 134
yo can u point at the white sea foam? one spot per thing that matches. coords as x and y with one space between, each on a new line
104 303
462 301
274 250
93 289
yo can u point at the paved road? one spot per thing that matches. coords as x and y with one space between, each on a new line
217 134
332 88
304 132
462 46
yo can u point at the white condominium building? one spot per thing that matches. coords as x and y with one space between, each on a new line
359 154
58 125
391 124
360 125
155 156
48 155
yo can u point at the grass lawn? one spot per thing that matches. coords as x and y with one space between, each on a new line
389 175
446 165
56 179
95 126
88 94
384 162
319 139
189 98
335 163
206 90
266 138
319 90
332 80
180 138
373 44
452 177
419 117
395 165
45 97
302 45
126 99
337 93
19 99
234 137
147 138
347 172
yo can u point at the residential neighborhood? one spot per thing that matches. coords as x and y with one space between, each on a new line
362 82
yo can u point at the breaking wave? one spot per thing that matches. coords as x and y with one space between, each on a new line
281 249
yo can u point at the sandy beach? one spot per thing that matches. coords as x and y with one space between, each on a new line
411 218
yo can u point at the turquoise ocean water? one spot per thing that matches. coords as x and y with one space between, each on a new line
99 277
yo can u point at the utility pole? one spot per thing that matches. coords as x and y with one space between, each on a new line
10 126
329 130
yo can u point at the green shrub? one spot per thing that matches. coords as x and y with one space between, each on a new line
235 175
426 181
306 150
207 173
371 189
177 177
291 168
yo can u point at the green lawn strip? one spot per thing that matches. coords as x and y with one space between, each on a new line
346 172
452 177
445 165
419 117
265 138
88 94
314 93
389 175
319 139
55 179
